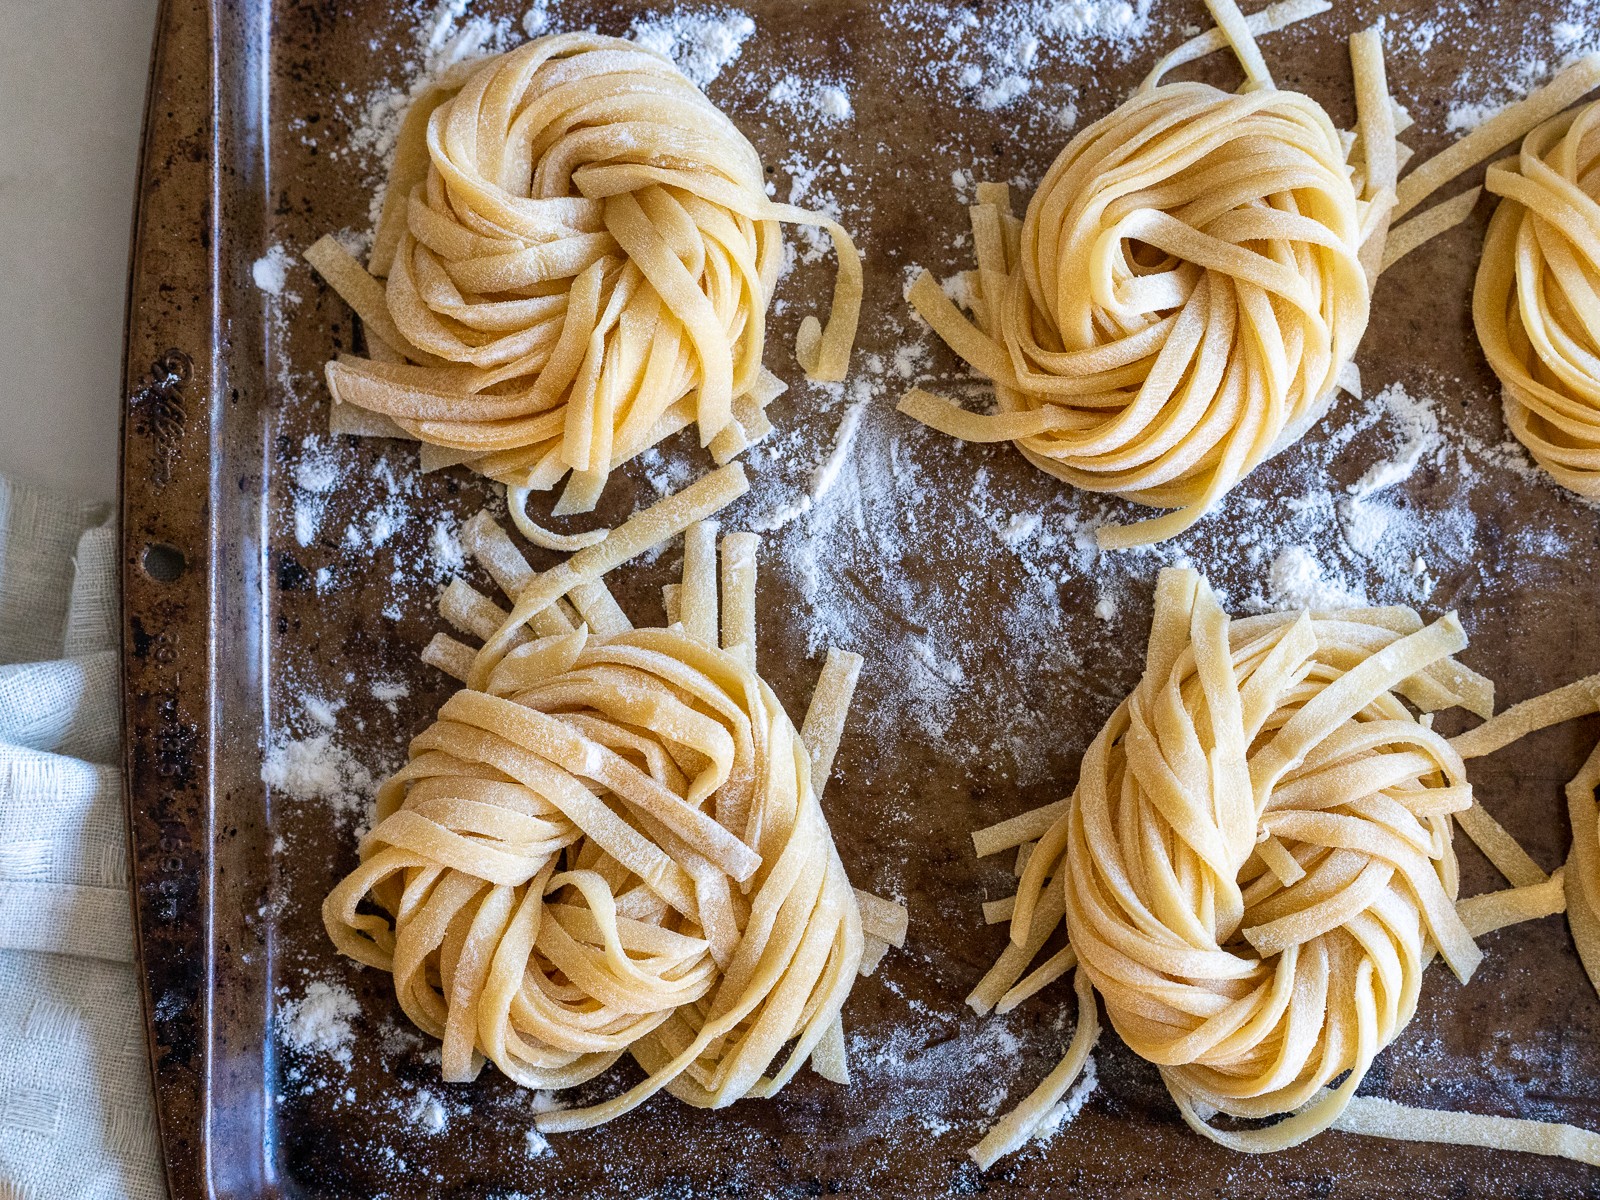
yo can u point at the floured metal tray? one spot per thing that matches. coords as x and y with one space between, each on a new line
279 585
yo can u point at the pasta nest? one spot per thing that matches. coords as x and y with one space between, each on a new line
1176 305
1257 862
1536 303
612 839
616 848
577 254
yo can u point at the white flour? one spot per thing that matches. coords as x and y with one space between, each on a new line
968 678
319 1022
988 57
318 768
1297 580
428 1114
702 43
811 102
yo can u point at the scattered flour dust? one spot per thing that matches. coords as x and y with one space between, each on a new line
886 561
318 768
820 101
427 1113
390 514
701 43
271 271
1507 63
989 55
319 1022
1297 580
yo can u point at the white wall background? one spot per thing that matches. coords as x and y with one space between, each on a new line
72 79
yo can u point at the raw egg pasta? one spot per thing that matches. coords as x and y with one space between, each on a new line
1536 304
574 260
1257 865
1181 297
612 842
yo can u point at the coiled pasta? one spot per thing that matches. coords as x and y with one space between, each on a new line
574 261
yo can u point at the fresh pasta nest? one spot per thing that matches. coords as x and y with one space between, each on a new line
1273 861
1536 304
1176 305
574 260
615 844
1257 865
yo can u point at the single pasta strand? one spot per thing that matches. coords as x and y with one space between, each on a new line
1013 1130
1496 910
824 721
1384 1118
1025 827
1499 847
1429 224
1498 132
1576 699
1376 124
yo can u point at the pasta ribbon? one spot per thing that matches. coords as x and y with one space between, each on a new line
574 261
1536 303
615 842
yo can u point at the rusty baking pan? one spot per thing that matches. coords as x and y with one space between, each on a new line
277 591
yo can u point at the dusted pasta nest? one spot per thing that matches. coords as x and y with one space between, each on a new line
1304 811
574 261
1177 304
1537 300
1192 277
1257 865
1181 298
614 843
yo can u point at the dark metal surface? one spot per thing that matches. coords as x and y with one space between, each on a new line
218 621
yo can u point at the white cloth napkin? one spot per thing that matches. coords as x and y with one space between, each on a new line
76 1116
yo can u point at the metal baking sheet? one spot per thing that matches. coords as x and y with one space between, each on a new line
230 629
